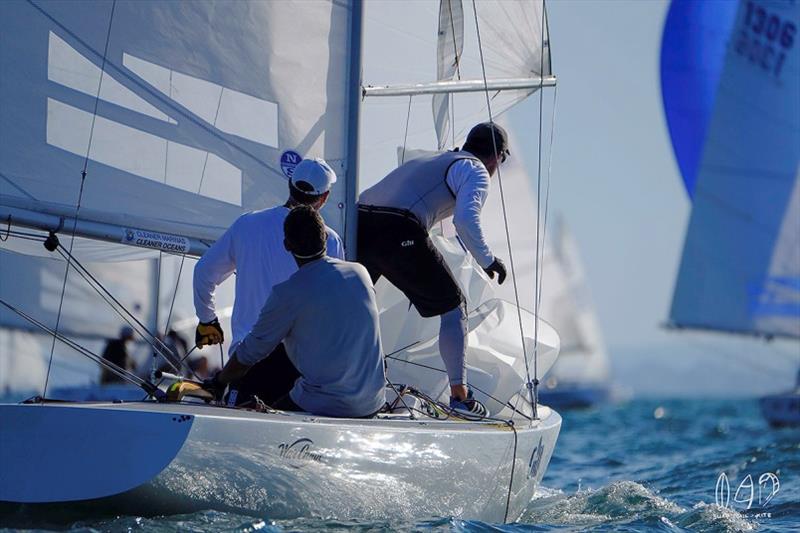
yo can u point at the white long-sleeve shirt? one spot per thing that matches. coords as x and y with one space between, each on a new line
435 186
253 247
469 180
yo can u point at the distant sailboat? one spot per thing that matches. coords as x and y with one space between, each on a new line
738 146
581 376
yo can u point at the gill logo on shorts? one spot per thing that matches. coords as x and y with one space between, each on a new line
405 244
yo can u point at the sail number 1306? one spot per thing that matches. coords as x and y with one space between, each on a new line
765 38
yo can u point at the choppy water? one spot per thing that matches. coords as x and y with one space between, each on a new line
639 466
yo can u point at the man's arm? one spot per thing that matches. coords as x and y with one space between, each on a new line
334 244
216 265
469 180
273 324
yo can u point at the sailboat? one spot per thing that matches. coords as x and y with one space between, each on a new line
581 377
738 147
148 128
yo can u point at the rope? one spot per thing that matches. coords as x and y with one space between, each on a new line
400 397
8 230
151 339
405 137
513 467
421 365
505 218
80 197
199 188
157 291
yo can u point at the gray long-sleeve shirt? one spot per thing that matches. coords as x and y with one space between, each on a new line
326 315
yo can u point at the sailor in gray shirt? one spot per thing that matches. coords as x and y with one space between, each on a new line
326 315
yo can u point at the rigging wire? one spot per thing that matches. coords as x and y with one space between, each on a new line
183 256
505 218
150 338
153 341
112 367
513 464
428 367
547 201
80 196
539 237
405 136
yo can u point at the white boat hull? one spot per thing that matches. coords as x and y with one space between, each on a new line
174 458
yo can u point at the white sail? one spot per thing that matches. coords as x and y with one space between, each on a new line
180 111
449 49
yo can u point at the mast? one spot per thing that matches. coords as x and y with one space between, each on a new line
352 130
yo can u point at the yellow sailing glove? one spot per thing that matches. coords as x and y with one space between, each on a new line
208 333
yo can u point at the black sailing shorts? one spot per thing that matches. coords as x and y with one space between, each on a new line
395 245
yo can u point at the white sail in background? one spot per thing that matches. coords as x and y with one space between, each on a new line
567 305
565 301
33 285
189 127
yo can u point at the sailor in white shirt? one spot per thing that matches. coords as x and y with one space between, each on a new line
394 218
327 316
253 248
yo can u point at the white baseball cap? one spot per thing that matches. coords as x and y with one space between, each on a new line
313 176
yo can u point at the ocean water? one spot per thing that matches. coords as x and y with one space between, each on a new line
643 465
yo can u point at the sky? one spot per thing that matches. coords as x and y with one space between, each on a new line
614 180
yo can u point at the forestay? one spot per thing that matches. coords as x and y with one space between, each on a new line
740 270
197 102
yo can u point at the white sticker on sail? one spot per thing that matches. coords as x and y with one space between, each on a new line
70 68
228 110
143 154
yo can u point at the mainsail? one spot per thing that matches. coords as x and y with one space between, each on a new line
149 127
178 112
740 270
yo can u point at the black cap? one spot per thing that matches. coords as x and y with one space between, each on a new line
486 135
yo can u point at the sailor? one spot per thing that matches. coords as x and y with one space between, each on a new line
327 317
393 221
116 351
253 248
